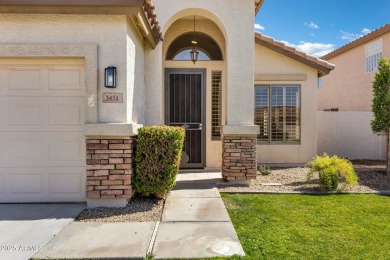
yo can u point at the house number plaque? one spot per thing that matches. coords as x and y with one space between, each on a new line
112 97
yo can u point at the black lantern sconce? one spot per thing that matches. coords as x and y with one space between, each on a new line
110 77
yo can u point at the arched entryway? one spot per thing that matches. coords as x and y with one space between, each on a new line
180 48
194 92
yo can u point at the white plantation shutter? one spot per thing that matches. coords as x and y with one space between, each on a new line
277 112
216 105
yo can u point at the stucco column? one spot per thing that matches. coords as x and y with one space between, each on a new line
239 134
240 70
154 90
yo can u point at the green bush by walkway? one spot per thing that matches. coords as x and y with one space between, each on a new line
311 227
157 159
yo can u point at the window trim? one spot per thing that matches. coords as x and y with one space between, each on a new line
270 142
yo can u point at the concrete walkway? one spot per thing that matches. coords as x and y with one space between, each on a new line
83 240
26 228
194 224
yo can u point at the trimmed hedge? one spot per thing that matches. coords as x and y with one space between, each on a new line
157 159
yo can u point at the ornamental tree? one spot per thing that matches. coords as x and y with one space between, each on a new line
380 124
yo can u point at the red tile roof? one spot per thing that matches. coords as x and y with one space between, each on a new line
323 67
368 37
150 12
258 4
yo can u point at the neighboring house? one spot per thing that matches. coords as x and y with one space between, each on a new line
345 98
66 136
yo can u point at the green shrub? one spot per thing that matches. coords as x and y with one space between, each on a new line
157 159
329 178
264 170
332 171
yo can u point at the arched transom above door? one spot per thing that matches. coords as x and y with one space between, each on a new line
180 47
178 39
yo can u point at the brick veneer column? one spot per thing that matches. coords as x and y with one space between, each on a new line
109 168
239 161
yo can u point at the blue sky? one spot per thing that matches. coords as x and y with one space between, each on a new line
320 26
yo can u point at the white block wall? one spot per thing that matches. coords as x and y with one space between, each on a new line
348 134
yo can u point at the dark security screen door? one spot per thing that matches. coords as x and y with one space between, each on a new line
185 108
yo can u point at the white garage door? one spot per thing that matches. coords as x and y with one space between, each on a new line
42 147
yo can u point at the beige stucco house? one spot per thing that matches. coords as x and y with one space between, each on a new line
345 98
67 135
286 82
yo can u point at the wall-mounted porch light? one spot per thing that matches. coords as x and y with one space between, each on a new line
110 77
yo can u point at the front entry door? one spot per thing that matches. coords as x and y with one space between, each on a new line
185 107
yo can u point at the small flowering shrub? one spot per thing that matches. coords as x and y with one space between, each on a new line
157 159
332 171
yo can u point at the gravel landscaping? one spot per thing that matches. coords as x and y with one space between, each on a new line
372 178
139 209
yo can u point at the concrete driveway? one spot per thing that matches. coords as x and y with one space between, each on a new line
26 228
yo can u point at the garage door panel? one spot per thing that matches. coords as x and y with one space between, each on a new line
66 149
65 79
36 149
25 79
42 113
26 184
26 149
40 128
70 113
25 113
43 81
45 184
66 183
42 93
1 150
2 79
3 112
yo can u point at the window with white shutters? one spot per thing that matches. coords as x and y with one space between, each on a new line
277 112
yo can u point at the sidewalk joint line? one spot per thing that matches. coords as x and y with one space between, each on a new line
153 238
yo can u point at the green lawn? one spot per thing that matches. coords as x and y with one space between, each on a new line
311 227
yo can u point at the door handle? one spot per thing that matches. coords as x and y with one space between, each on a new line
200 126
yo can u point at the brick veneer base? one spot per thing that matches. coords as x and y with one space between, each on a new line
109 168
239 161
